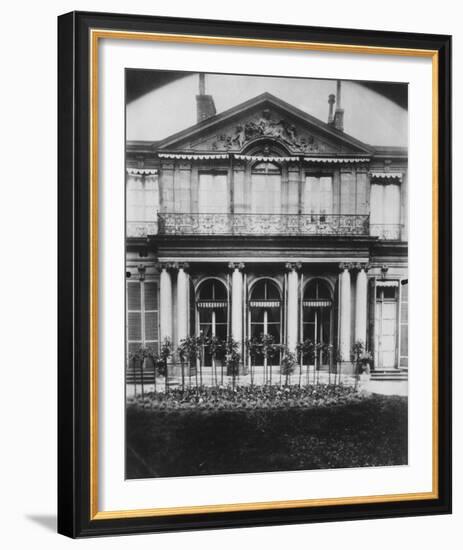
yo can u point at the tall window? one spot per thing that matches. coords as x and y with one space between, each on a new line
212 193
403 362
142 315
318 195
142 197
386 324
265 312
212 307
266 188
385 210
317 308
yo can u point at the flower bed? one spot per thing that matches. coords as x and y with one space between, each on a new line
248 397
357 431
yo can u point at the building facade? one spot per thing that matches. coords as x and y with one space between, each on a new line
264 219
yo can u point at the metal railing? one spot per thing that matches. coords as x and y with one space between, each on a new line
386 231
262 224
141 229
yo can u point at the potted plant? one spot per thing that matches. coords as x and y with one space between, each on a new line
164 354
269 350
254 349
189 352
217 349
288 364
362 359
306 353
232 359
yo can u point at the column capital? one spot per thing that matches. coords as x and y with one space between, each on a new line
359 266
141 272
167 266
180 265
293 266
236 265
345 266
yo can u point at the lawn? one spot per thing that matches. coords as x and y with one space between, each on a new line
370 430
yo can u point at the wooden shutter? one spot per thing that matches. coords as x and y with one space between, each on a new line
134 321
151 310
403 341
142 315
371 315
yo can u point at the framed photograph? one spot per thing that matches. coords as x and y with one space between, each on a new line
254 274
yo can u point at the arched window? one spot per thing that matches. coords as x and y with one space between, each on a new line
265 312
266 188
212 312
317 318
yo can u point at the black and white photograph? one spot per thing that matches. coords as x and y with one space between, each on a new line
266 274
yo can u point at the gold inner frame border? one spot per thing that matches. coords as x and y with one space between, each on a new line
95 36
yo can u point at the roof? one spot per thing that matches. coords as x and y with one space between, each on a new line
180 141
263 100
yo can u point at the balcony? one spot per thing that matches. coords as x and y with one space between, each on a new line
263 224
386 231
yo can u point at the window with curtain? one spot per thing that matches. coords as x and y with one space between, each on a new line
318 195
317 316
386 324
265 313
212 193
212 311
385 210
266 188
142 200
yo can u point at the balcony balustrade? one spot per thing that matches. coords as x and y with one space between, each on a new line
386 231
263 224
141 229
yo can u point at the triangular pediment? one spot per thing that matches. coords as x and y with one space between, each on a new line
263 119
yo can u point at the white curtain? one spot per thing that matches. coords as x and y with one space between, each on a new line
142 197
385 209
266 194
212 194
318 195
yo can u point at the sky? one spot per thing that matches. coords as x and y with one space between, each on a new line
368 116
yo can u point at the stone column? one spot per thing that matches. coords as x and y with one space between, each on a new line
345 312
165 303
237 302
182 302
361 304
292 309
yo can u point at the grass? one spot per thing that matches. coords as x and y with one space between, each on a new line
177 442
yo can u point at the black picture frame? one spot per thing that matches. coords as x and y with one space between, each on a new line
74 377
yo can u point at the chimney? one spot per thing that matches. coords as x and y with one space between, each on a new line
331 100
339 113
205 106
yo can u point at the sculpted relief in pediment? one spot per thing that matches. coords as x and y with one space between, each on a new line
265 124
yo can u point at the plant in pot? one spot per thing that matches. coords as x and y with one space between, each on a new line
232 359
362 359
306 354
189 353
254 350
269 351
288 364
216 348
164 354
